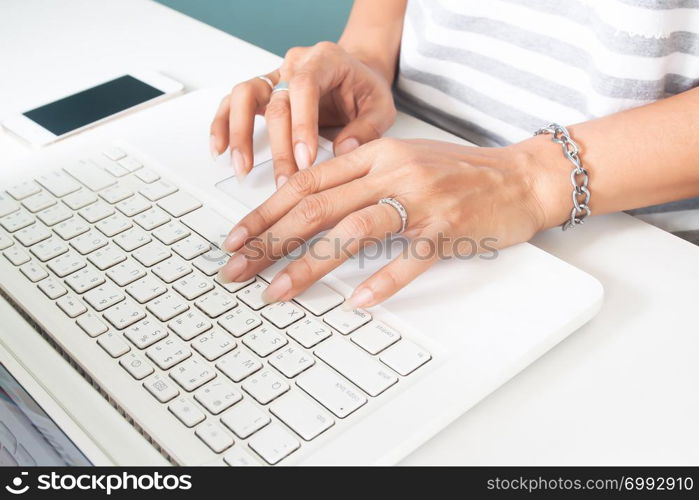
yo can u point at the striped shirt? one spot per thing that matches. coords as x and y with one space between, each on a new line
493 71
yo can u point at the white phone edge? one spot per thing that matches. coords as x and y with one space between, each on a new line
37 136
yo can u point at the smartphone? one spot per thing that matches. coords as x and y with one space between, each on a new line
74 113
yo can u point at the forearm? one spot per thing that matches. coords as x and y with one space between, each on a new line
639 157
373 34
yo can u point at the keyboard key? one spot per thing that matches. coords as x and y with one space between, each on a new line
90 174
157 190
38 201
346 322
71 305
114 153
405 357
133 205
130 163
132 239
17 220
235 285
238 364
33 271
239 321
191 247
265 386
7 205
217 396
375 337
215 303
189 325
147 175
168 353
172 269
103 297
214 435
80 199
331 390
167 306
48 249
5 241
33 234
291 361
146 289
113 343
16 255
55 214
161 387
115 194
106 257
265 340
58 183
171 232
125 273
209 224
96 212
75 226
179 203
252 295
210 262
151 254
89 242
146 333
136 365
115 169
85 280
238 457
124 314
66 264
367 373
52 288
186 411
192 374
113 225
319 299
303 415
213 344
273 444
282 314
193 285
245 418
91 324
24 189
152 218
308 332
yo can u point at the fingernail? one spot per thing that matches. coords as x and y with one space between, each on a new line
235 239
212 147
235 266
238 165
279 287
302 155
359 298
281 180
349 144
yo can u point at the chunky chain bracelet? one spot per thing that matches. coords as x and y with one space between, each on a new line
579 177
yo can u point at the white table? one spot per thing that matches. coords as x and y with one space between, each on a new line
621 390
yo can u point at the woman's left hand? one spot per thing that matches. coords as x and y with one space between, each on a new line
454 195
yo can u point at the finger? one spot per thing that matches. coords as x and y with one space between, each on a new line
313 214
278 118
321 177
354 232
367 126
422 254
304 96
218 141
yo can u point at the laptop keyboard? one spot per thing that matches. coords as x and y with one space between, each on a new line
129 257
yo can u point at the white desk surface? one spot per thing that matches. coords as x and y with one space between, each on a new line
624 389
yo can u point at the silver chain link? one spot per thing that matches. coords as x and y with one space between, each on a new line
579 177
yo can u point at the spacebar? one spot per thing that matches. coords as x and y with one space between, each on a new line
209 224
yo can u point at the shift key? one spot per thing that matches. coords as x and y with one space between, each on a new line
331 390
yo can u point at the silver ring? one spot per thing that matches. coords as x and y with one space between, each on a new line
280 87
267 81
402 212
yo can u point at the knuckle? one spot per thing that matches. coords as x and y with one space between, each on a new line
326 46
358 224
293 53
312 209
303 182
277 109
241 90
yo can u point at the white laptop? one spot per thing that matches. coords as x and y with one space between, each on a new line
119 347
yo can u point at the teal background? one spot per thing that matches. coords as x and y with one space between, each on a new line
275 25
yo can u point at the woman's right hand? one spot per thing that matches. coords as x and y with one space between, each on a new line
327 87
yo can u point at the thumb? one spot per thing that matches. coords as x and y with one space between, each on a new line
364 128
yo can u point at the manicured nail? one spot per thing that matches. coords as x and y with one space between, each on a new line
279 287
235 266
235 239
349 144
238 165
302 155
281 180
359 298
212 147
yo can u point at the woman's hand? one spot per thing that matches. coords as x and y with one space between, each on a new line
457 197
327 87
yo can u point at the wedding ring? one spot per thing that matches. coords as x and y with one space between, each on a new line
281 87
402 212
267 81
